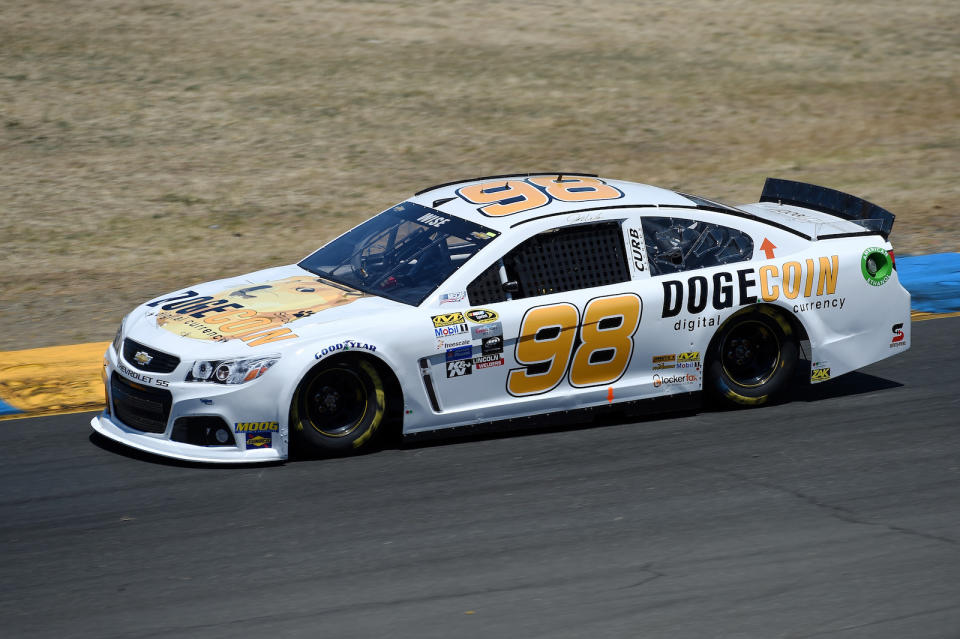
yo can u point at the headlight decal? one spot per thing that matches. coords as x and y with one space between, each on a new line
231 371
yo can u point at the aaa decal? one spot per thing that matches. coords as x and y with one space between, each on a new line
252 313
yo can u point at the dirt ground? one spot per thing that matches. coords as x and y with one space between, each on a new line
145 146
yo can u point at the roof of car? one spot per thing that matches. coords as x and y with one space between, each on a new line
447 198
452 198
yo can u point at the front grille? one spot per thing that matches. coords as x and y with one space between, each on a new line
140 407
158 362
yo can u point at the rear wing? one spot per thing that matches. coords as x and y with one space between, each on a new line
818 198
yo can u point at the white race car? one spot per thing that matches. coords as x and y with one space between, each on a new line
505 297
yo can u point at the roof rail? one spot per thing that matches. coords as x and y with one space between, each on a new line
500 177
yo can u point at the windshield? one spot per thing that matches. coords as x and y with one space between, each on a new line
403 254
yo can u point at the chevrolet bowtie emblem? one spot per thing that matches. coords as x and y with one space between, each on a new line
143 358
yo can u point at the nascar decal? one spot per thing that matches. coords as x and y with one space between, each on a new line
252 313
507 197
482 315
793 279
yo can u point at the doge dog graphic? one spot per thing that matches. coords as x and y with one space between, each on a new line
250 309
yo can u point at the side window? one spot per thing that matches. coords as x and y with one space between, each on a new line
486 288
559 260
676 244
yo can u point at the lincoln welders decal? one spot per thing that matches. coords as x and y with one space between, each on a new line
253 313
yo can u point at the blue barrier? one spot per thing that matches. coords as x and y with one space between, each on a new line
7 409
933 281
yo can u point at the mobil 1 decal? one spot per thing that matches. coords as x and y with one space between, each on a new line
810 284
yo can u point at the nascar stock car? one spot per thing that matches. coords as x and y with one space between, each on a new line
505 297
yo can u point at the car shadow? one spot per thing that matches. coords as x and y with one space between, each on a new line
107 444
681 405
855 383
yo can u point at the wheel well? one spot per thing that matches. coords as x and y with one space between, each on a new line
796 326
394 392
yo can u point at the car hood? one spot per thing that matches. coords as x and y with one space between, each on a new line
266 311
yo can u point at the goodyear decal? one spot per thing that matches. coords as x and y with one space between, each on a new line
252 313
256 427
345 345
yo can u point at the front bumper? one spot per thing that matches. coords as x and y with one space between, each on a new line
151 412
158 445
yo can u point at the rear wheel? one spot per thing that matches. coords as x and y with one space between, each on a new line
339 406
752 358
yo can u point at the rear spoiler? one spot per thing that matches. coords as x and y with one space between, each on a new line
819 198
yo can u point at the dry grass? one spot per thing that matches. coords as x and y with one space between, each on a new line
148 145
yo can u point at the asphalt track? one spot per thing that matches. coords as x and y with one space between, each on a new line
836 514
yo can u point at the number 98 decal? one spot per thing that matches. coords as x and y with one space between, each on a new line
515 196
554 343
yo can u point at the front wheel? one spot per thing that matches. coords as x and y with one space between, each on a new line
339 406
752 358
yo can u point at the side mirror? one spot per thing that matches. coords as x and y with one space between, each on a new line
512 286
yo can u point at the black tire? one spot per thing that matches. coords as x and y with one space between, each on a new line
751 358
339 406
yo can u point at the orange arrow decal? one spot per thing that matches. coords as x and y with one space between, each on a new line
767 247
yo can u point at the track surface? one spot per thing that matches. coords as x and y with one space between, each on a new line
834 515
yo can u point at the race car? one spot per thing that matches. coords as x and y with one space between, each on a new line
507 297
